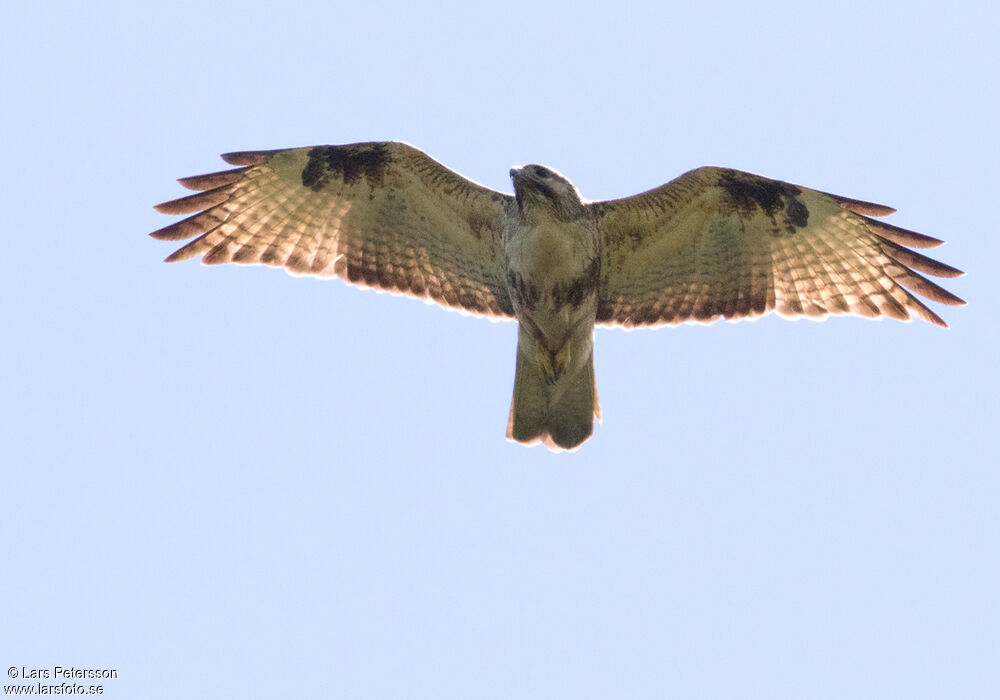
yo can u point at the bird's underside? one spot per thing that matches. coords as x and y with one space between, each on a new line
712 244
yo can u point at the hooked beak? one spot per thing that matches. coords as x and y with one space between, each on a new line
515 172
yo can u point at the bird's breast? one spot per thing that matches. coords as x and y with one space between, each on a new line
551 252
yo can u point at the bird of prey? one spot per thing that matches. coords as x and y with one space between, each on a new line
712 244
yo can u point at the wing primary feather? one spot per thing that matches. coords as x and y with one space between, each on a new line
210 181
921 285
188 251
221 253
248 157
923 312
195 202
859 206
917 261
892 308
901 235
186 228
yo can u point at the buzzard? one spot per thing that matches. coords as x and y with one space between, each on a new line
712 244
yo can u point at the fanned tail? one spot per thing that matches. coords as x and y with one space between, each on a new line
560 416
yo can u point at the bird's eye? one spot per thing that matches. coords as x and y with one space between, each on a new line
543 172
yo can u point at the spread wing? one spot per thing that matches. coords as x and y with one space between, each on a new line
382 215
718 243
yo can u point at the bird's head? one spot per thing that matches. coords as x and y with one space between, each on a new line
539 189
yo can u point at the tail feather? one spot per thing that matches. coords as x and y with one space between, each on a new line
561 416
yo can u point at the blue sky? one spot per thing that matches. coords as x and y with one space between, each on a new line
229 482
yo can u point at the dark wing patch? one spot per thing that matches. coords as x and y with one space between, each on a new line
345 164
774 198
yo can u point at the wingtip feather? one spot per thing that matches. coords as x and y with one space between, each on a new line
178 255
174 232
916 261
926 314
248 158
210 181
185 228
859 206
901 236
195 202
923 286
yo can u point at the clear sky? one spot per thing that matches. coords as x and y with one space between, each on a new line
228 482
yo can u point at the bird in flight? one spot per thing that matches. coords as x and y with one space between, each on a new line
712 244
